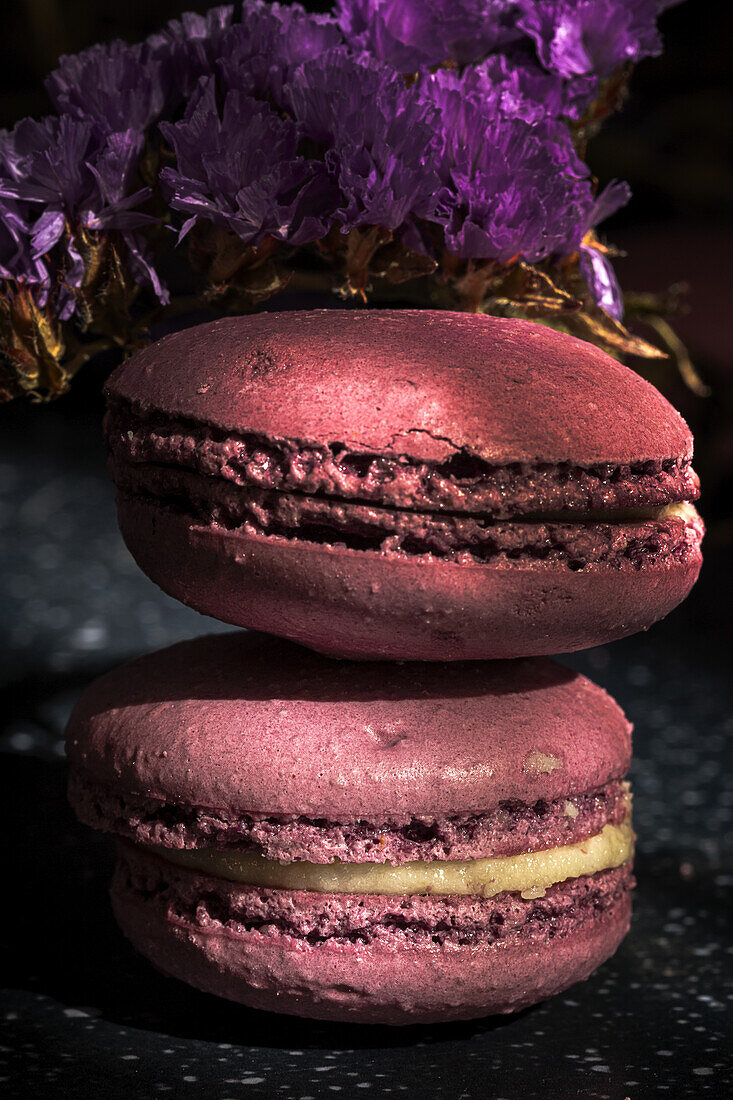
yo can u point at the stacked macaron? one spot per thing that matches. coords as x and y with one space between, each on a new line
404 485
438 838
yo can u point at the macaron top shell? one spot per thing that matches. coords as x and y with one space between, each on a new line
423 384
247 723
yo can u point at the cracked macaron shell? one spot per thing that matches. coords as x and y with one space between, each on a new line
252 724
423 384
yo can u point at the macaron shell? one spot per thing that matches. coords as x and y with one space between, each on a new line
363 605
422 383
376 983
245 723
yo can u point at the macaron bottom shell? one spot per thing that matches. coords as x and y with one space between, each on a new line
391 979
368 605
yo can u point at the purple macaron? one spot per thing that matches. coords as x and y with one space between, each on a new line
404 484
374 842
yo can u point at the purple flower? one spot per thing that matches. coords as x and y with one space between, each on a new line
242 171
52 170
590 37
595 266
478 28
117 86
509 188
16 259
403 35
411 35
528 92
258 55
336 85
107 96
381 160
514 87
82 180
376 135
16 254
187 49
112 171
48 161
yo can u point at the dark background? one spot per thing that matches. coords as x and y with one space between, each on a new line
83 1016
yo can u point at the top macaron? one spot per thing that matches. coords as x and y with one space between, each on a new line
404 484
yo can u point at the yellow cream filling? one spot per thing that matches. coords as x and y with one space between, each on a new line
528 873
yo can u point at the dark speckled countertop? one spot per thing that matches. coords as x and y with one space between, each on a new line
82 1015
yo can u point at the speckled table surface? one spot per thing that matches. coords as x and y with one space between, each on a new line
83 1016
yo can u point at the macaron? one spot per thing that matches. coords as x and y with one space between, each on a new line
369 842
418 485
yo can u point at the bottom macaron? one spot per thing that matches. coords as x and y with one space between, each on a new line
375 843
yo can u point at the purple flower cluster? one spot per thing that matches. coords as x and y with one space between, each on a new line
222 177
445 122
75 174
590 37
510 187
187 49
59 178
422 33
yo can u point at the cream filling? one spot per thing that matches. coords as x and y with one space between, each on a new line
528 873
